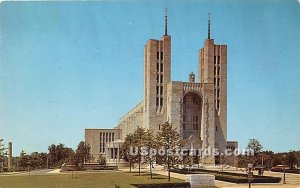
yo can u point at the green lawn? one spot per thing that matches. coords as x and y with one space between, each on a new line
86 180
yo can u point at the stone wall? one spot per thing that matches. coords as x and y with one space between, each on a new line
131 120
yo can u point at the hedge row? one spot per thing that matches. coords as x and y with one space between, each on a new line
163 185
239 179
87 167
293 171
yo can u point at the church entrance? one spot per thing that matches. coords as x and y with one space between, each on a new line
191 117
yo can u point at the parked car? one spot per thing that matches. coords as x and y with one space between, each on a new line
279 168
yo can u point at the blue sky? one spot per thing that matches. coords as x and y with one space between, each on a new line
67 66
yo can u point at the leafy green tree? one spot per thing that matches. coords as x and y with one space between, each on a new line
23 160
255 146
59 154
34 160
83 153
125 150
169 140
267 158
1 146
2 150
291 159
150 144
139 141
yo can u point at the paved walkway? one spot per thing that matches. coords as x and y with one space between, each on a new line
292 180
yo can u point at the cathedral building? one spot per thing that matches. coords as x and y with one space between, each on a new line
197 108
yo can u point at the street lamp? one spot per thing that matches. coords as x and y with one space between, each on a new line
250 174
283 169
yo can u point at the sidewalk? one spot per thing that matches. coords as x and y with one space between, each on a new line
293 180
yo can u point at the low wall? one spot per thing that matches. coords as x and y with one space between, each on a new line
198 180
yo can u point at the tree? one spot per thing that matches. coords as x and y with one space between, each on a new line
138 142
255 146
125 150
34 160
254 154
24 160
2 149
268 158
291 159
59 154
83 153
151 146
169 140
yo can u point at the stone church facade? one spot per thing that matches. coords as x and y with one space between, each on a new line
197 108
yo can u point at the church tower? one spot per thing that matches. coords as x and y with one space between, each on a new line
213 70
157 75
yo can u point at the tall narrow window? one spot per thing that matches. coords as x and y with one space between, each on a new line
195 126
218 70
157 101
218 81
157 78
161 78
214 70
100 142
161 67
161 102
161 56
161 90
157 90
157 55
196 118
157 67
215 58
218 59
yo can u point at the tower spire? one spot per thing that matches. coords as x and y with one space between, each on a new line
166 21
209 25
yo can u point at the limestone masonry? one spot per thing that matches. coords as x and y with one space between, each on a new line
197 109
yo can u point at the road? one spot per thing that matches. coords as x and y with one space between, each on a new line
31 173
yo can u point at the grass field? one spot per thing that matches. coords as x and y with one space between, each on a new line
81 180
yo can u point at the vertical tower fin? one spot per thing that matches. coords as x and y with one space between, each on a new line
166 22
209 25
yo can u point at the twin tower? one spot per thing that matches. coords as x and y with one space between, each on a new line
197 109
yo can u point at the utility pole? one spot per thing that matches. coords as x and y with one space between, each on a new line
47 162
